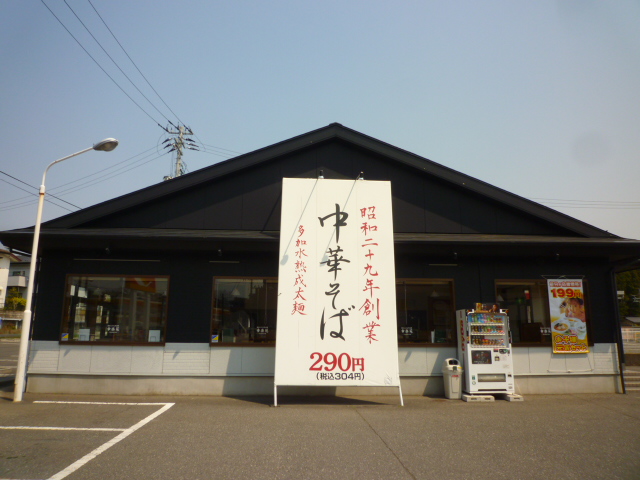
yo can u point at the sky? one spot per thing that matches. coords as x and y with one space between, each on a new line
539 98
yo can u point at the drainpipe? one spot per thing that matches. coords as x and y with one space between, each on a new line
618 329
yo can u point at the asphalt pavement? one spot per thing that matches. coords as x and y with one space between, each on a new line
578 436
9 348
115 437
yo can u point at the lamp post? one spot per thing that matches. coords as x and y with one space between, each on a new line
106 145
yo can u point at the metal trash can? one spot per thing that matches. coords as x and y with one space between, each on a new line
452 377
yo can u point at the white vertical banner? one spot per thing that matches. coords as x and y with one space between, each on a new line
336 285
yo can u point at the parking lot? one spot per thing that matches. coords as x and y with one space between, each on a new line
63 436
97 437
116 437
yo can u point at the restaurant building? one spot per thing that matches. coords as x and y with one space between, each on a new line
172 289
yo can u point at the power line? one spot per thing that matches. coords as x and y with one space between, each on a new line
72 190
110 176
592 204
576 205
16 199
96 62
37 189
104 169
220 148
223 155
114 62
134 63
10 207
69 190
613 202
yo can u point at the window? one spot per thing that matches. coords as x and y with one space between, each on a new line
19 273
244 310
426 312
528 305
115 309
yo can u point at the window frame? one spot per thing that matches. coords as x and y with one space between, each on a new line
66 305
430 281
449 282
271 343
546 338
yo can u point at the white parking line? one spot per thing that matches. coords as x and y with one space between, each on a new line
66 428
124 432
102 403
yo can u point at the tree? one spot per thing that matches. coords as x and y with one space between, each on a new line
629 282
14 300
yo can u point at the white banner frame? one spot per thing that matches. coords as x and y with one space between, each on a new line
337 321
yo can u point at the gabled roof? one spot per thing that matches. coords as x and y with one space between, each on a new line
10 255
330 132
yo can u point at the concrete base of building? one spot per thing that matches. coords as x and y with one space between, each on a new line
263 385
566 384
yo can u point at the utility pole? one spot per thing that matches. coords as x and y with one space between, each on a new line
177 144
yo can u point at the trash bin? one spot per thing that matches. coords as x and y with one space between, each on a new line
452 377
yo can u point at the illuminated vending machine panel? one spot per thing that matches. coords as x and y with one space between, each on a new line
484 349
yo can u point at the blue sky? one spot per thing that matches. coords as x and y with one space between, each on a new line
539 98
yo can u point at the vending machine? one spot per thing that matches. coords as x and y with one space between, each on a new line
484 349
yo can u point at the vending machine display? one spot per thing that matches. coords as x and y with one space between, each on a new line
484 349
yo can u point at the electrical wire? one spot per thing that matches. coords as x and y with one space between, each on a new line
594 204
69 190
16 199
37 189
134 63
100 66
120 171
90 184
111 175
613 202
593 207
114 62
223 155
11 207
220 148
58 187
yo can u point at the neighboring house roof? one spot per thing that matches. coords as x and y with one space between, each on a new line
12 257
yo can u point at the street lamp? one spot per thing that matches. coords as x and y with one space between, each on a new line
106 145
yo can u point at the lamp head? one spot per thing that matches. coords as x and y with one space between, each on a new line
106 145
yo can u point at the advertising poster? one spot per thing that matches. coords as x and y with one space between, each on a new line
336 285
568 318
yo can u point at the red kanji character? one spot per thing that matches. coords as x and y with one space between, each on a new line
370 334
368 307
369 286
370 215
299 308
299 281
357 362
366 228
300 230
299 294
368 270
